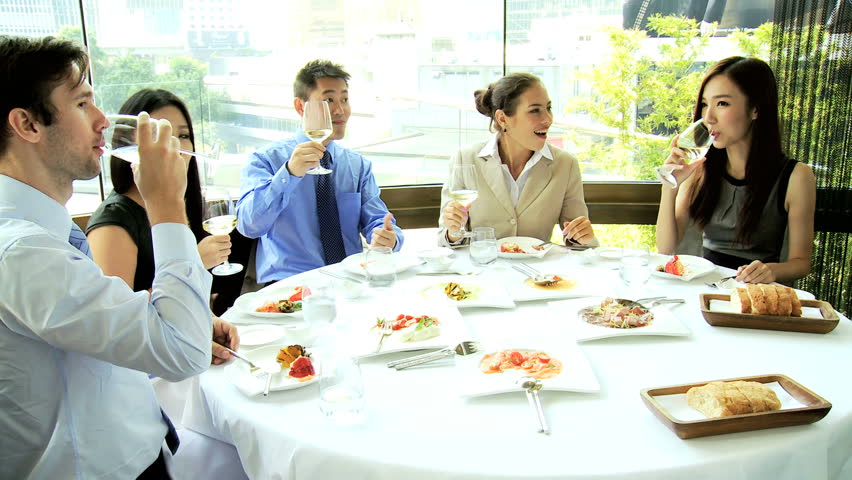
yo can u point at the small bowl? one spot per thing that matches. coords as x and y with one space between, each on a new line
301 334
350 289
439 258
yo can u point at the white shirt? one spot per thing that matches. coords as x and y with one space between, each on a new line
76 345
515 187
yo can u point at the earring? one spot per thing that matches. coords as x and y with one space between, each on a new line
504 129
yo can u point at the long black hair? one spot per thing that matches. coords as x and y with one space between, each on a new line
149 100
765 156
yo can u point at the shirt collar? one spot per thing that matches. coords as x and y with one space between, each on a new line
19 200
490 150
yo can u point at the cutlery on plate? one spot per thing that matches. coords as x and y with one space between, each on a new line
385 329
341 277
449 272
718 283
573 246
254 370
534 274
532 386
464 348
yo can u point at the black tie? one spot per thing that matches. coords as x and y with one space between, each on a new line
78 239
329 219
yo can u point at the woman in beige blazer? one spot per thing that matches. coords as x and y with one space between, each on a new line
525 185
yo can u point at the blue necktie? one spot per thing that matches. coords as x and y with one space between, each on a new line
329 219
78 239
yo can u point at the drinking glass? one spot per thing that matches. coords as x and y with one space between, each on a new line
316 123
341 388
483 246
695 140
463 189
380 266
121 141
220 218
319 304
634 269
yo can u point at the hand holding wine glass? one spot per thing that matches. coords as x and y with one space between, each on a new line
121 139
220 218
316 123
694 142
463 191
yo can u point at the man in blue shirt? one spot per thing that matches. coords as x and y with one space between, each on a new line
307 221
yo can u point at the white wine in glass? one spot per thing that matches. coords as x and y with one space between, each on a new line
462 189
695 141
121 142
316 123
220 218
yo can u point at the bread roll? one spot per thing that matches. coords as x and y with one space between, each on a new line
740 300
723 399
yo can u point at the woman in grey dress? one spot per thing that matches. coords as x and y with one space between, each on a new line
745 195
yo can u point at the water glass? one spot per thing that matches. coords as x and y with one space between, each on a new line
318 303
483 246
634 268
380 265
341 396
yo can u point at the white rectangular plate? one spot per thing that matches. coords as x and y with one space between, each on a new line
665 322
573 285
486 293
246 305
695 267
238 372
526 244
576 376
402 262
364 335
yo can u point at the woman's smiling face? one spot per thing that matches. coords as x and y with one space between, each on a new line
533 117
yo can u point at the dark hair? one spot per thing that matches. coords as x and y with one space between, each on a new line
765 156
149 100
30 69
306 79
504 94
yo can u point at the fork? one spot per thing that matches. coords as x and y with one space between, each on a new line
719 282
254 370
340 276
385 329
534 274
463 348
574 246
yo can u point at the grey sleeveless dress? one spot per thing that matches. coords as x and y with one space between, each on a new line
765 243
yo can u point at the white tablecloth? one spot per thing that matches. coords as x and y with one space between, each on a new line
418 427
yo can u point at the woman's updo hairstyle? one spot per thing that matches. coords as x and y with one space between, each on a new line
503 94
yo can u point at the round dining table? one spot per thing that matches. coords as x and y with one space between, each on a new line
419 426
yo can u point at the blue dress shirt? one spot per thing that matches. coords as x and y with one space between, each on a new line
75 345
281 209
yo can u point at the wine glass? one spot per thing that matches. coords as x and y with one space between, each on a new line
695 141
316 123
121 141
463 189
220 218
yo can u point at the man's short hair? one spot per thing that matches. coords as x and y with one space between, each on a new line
30 68
306 79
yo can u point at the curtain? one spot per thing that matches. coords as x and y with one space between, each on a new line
812 59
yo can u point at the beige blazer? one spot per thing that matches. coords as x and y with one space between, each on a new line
553 194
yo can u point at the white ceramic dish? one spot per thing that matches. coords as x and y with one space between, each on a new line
695 267
237 372
249 302
486 293
364 334
665 323
576 376
402 262
526 244
257 335
437 259
608 253
522 289
730 284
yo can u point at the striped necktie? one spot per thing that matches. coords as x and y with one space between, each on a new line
78 239
329 218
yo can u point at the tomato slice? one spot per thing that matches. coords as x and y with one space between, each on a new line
300 292
516 358
544 359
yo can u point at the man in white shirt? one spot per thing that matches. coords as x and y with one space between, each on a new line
76 346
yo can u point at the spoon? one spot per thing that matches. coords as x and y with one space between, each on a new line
532 386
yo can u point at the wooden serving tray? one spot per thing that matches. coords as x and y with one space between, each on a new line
817 408
771 322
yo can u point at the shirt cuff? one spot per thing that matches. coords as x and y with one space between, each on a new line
173 241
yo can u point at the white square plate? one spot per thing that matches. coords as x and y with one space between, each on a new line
256 335
237 371
247 304
665 322
402 262
576 375
526 244
486 293
363 333
695 267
